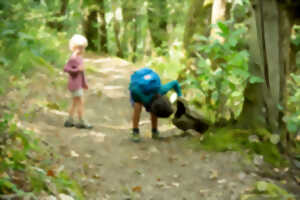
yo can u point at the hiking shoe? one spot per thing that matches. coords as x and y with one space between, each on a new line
155 135
83 125
135 137
68 124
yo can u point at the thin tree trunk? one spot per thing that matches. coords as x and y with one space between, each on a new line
218 15
131 29
117 38
90 30
58 25
116 25
157 19
128 18
197 22
103 30
64 6
135 40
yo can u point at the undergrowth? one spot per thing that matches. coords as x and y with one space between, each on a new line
27 167
256 142
267 190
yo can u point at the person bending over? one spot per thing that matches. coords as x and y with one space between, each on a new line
146 90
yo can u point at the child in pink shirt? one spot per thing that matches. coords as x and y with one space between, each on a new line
77 82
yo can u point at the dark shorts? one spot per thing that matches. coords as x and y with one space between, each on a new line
135 98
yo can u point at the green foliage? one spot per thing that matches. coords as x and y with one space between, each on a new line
169 66
295 39
292 113
25 165
240 10
220 72
292 117
267 190
256 142
27 43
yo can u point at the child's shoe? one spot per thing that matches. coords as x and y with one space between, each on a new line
83 125
135 137
155 135
69 123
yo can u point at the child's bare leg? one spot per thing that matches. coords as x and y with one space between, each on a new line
136 115
70 121
135 122
80 111
80 107
73 107
154 122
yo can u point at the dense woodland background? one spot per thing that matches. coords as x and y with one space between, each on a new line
238 63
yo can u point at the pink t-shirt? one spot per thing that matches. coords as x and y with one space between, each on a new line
76 77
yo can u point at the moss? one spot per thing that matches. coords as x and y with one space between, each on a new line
232 139
266 190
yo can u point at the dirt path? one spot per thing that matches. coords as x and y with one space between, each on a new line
109 166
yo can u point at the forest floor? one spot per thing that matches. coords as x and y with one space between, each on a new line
109 166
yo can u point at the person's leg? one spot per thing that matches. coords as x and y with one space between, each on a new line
137 109
80 111
80 108
70 121
73 107
154 122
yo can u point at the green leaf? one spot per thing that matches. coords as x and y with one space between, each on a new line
224 28
26 36
232 41
236 94
5 183
292 127
215 95
275 139
296 77
235 60
4 61
200 38
240 73
262 186
240 2
8 32
280 107
296 41
256 79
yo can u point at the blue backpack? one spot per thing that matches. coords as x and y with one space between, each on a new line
146 80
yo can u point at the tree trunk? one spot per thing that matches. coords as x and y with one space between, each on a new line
131 31
103 30
157 19
218 14
116 24
90 29
269 51
128 18
64 6
197 22
58 25
135 40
